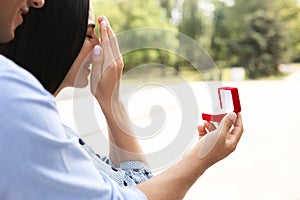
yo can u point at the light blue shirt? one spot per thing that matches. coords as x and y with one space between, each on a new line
37 160
128 174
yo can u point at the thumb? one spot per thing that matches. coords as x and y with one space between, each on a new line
97 60
97 63
227 123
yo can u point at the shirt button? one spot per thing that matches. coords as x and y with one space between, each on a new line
125 183
81 141
114 169
136 170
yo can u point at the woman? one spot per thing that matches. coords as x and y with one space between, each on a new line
66 64
57 65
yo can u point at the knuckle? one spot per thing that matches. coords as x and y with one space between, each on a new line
105 44
120 63
232 148
114 64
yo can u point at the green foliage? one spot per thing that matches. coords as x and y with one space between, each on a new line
255 35
191 23
260 48
195 24
135 16
290 13
168 6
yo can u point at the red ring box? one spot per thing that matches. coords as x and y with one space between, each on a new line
229 102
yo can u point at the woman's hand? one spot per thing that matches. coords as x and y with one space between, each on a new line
105 83
107 67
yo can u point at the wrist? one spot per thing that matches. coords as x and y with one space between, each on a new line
113 109
195 163
109 103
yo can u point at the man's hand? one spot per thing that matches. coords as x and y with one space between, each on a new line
218 144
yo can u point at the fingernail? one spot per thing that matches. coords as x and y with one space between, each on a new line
104 24
232 116
97 50
104 17
99 19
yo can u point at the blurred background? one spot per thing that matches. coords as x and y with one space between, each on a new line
256 35
254 45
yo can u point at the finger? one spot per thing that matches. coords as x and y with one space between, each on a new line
103 29
113 42
97 64
209 126
227 123
201 131
115 48
105 44
97 60
110 32
237 130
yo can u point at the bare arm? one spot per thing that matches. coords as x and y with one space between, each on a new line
175 181
123 144
105 83
211 148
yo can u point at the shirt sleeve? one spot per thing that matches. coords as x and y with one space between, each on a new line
37 160
128 174
135 171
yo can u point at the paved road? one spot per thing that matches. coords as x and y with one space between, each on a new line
266 164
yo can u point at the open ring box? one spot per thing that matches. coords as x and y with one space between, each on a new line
229 102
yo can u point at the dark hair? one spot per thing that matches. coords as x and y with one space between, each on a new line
50 40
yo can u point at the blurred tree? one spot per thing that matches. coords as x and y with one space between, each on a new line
261 47
220 35
195 25
168 6
256 34
191 22
251 34
290 19
130 20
